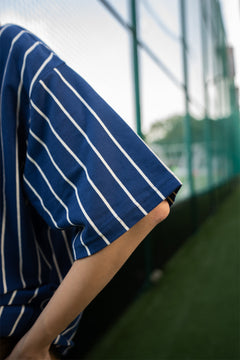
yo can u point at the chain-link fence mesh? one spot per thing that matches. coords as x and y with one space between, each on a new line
182 99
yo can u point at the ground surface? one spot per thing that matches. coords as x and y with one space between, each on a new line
193 312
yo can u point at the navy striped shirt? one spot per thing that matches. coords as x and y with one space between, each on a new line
73 178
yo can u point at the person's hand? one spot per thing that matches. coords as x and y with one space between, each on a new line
25 351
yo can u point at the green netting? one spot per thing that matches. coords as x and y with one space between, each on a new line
164 66
196 132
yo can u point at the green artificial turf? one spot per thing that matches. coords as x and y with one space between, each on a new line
193 312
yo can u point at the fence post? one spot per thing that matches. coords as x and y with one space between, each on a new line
135 60
187 120
207 127
136 67
187 125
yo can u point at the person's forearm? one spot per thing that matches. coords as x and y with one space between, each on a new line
86 279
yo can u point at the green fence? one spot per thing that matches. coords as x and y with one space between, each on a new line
164 66
199 139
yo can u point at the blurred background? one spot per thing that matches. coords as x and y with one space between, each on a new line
171 69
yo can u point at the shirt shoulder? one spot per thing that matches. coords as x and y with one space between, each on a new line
24 54
10 32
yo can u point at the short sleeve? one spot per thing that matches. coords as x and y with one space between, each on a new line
85 168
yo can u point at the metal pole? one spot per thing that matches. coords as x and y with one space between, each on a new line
147 242
136 67
207 127
187 125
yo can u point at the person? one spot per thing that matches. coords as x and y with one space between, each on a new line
79 191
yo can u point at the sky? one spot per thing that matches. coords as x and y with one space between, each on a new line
89 39
231 14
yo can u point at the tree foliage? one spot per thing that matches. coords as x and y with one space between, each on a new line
171 130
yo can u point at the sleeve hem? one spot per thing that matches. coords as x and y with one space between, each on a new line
149 202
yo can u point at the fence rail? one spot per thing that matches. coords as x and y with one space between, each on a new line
219 108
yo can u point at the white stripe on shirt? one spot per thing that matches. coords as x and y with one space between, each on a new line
34 295
74 186
17 164
38 258
12 297
82 242
110 134
51 189
73 327
17 321
44 257
44 64
67 246
3 175
54 256
41 201
4 28
127 192
85 170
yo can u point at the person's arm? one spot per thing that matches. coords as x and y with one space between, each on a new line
86 278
